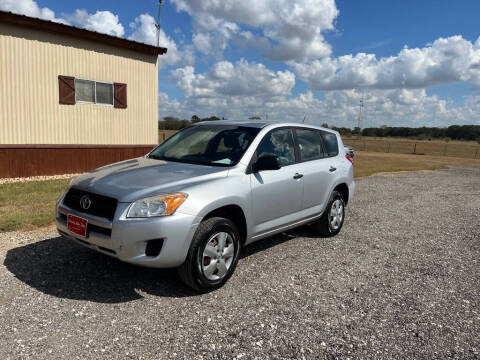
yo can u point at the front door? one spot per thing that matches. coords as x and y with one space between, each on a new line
276 194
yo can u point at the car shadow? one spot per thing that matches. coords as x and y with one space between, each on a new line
61 268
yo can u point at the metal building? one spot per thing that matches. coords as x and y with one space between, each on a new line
72 99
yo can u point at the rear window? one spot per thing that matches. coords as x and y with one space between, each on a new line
309 144
331 143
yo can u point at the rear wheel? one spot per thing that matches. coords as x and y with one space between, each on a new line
332 219
213 255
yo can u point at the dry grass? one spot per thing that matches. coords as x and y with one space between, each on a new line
30 205
369 163
463 149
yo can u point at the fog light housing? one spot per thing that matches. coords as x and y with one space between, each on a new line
153 247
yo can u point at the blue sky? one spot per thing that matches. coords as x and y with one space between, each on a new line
416 63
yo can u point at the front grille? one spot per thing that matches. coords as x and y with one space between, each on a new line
102 206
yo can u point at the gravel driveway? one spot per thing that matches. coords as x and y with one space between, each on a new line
402 280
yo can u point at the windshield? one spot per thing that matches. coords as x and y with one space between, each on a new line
217 145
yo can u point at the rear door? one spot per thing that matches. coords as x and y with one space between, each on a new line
314 164
276 194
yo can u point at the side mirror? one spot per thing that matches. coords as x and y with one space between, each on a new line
266 162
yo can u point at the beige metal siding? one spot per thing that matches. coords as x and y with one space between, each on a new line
30 113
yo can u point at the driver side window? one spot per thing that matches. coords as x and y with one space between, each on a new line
279 143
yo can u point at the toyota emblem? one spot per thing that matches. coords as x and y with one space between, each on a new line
85 202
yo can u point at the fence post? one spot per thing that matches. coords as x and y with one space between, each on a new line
415 148
388 147
476 153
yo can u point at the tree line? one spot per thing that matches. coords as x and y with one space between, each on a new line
453 132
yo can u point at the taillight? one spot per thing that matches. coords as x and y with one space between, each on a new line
349 158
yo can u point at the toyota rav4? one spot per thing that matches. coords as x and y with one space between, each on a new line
194 201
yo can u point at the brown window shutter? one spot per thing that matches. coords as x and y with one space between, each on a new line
120 95
66 90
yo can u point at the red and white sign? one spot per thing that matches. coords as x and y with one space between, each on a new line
77 225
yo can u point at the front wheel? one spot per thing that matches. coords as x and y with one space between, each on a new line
332 219
213 255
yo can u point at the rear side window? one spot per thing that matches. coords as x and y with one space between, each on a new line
331 143
309 144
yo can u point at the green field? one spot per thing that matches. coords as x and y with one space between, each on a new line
30 205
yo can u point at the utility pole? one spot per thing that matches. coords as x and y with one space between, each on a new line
157 25
360 113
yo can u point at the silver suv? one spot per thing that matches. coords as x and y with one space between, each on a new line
194 201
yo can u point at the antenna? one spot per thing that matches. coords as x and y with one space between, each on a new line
157 25
360 113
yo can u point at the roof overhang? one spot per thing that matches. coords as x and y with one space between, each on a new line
45 25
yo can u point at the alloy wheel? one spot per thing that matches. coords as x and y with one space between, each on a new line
218 256
336 214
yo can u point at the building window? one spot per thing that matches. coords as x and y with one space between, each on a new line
93 92
104 93
84 91
72 91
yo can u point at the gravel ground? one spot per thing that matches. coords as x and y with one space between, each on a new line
36 178
402 280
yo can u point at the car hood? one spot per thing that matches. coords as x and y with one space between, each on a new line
133 179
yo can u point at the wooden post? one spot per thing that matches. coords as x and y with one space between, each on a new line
476 153
415 148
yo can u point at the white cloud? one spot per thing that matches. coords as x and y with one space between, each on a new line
292 29
144 30
240 79
202 42
167 106
102 21
447 60
29 8
240 90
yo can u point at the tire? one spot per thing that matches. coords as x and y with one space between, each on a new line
325 226
206 269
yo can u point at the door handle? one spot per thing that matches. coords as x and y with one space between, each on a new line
297 176
332 169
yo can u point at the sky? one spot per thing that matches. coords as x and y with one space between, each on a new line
415 63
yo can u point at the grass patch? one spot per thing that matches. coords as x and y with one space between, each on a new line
369 163
29 205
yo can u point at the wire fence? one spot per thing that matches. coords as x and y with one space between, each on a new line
434 148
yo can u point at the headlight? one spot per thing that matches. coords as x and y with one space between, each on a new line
156 206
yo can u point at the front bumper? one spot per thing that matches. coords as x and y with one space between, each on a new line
126 239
